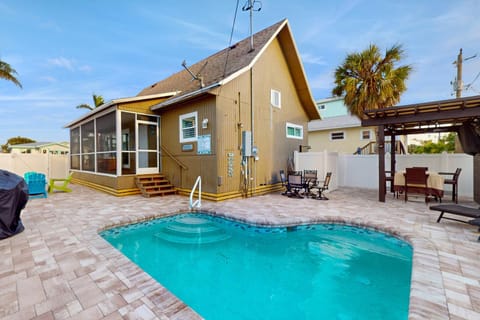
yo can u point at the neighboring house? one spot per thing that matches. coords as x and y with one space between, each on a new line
235 123
41 147
339 131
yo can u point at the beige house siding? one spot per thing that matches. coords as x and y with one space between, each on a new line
196 164
321 140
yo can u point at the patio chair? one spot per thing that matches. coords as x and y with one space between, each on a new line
321 188
295 184
60 184
416 182
309 180
454 182
455 209
36 183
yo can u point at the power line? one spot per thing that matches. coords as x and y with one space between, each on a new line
231 37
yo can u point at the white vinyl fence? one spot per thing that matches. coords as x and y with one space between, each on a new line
362 170
52 165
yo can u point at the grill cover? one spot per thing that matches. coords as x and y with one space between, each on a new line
13 198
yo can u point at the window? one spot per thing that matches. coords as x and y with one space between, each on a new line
321 107
188 127
294 131
339 135
365 135
276 98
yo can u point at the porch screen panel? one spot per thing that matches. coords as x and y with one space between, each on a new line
88 146
128 143
75 148
106 143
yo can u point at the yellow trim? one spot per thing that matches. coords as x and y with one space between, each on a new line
111 191
260 190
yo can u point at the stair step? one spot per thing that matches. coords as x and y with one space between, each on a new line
154 185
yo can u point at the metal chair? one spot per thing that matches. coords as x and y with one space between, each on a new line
454 182
322 188
309 180
295 184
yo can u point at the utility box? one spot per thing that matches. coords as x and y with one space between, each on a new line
246 143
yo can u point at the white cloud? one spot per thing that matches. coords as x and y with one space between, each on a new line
313 59
62 63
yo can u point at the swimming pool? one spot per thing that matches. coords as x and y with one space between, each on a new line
229 270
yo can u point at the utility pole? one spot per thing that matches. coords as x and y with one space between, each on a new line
249 6
459 74
459 82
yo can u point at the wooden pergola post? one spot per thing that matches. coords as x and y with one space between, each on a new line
381 163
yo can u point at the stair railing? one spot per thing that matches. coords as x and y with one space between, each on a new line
197 203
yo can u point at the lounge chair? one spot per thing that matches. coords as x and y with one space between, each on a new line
456 209
321 188
60 184
36 183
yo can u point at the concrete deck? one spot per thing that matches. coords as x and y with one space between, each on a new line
59 268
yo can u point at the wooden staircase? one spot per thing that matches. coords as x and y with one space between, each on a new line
154 185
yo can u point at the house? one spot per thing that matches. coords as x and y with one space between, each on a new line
41 147
339 131
233 118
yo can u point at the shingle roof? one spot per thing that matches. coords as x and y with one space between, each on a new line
339 122
217 66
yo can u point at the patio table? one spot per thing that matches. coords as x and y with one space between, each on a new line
434 183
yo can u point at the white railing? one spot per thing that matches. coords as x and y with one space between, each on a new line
197 203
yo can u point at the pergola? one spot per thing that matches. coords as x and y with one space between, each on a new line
435 116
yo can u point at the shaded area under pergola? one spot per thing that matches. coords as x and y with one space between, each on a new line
461 115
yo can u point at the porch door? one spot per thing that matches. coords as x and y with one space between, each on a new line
147 151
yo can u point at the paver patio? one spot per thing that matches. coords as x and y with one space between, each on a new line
59 268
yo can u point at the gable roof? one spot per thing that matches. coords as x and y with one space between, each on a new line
338 122
230 62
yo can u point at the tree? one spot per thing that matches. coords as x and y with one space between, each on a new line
15 140
446 143
97 101
370 81
8 73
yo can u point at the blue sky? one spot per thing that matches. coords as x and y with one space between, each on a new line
64 51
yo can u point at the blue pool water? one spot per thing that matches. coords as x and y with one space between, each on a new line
229 270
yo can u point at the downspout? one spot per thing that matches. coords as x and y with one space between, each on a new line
252 181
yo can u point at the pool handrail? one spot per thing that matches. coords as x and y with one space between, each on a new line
197 203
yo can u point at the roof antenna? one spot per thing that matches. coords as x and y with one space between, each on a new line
197 76
250 6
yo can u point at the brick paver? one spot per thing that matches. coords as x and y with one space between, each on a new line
60 268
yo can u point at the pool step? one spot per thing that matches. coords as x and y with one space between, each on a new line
192 230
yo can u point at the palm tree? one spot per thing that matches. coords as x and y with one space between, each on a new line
8 73
97 101
370 81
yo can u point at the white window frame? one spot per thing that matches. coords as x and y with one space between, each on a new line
334 132
294 126
181 129
276 98
369 134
